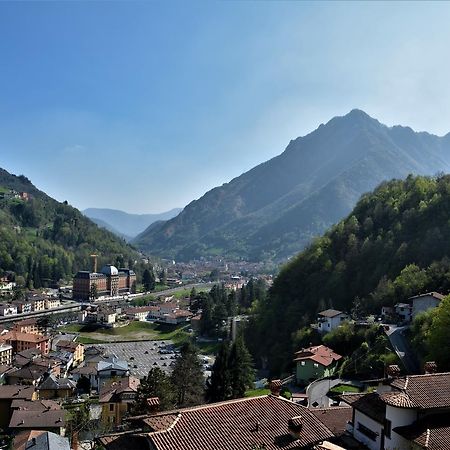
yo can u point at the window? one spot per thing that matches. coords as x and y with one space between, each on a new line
387 428
303 363
111 406
316 365
367 432
113 373
328 325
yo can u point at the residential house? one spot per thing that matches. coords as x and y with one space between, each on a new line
424 302
106 315
6 286
76 349
10 393
270 422
47 420
411 412
8 309
111 368
141 313
40 440
27 326
329 320
31 374
403 312
116 397
315 362
54 387
24 341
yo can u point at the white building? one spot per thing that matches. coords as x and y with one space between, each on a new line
424 302
7 309
330 319
405 413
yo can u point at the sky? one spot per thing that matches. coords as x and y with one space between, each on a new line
144 106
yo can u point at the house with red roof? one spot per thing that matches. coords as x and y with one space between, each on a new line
315 362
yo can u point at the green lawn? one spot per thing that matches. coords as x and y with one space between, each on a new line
341 388
257 392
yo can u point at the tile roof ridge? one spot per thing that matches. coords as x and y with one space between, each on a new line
427 439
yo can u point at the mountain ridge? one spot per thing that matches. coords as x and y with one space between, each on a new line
352 153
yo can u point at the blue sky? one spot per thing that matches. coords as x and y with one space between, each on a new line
144 106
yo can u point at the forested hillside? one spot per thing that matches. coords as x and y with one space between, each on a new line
275 209
395 244
43 241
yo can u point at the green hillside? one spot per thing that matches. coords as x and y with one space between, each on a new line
395 244
44 241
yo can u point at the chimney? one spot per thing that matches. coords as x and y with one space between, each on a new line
275 387
430 367
295 426
393 370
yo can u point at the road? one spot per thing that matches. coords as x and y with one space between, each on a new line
67 307
404 351
166 292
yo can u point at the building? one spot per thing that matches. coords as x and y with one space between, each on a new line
76 349
403 312
269 422
25 341
116 397
106 315
110 282
424 302
26 326
52 302
23 306
315 362
40 440
5 354
37 301
8 394
54 387
330 319
48 420
8 309
141 313
411 412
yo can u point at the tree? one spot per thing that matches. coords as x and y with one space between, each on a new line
148 279
84 385
155 384
163 277
241 368
187 378
439 338
219 386
94 291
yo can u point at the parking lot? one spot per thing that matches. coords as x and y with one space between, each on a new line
143 355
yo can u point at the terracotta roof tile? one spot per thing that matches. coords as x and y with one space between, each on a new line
330 313
38 419
398 399
319 354
335 419
425 391
239 424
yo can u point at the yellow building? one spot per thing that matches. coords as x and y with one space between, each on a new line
75 348
116 397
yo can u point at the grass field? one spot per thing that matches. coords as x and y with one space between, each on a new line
134 331
341 388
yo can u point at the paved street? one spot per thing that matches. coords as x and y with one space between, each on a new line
403 349
317 392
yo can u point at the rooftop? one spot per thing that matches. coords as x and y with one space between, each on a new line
38 419
319 354
239 424
113 389
369 404
330 313
334 418
436 295
14 391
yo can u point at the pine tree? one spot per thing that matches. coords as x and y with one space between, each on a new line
148 279
155 384
187 378
241 368
219 386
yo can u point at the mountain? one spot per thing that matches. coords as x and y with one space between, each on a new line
276 208
43 241
124 224
395 244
